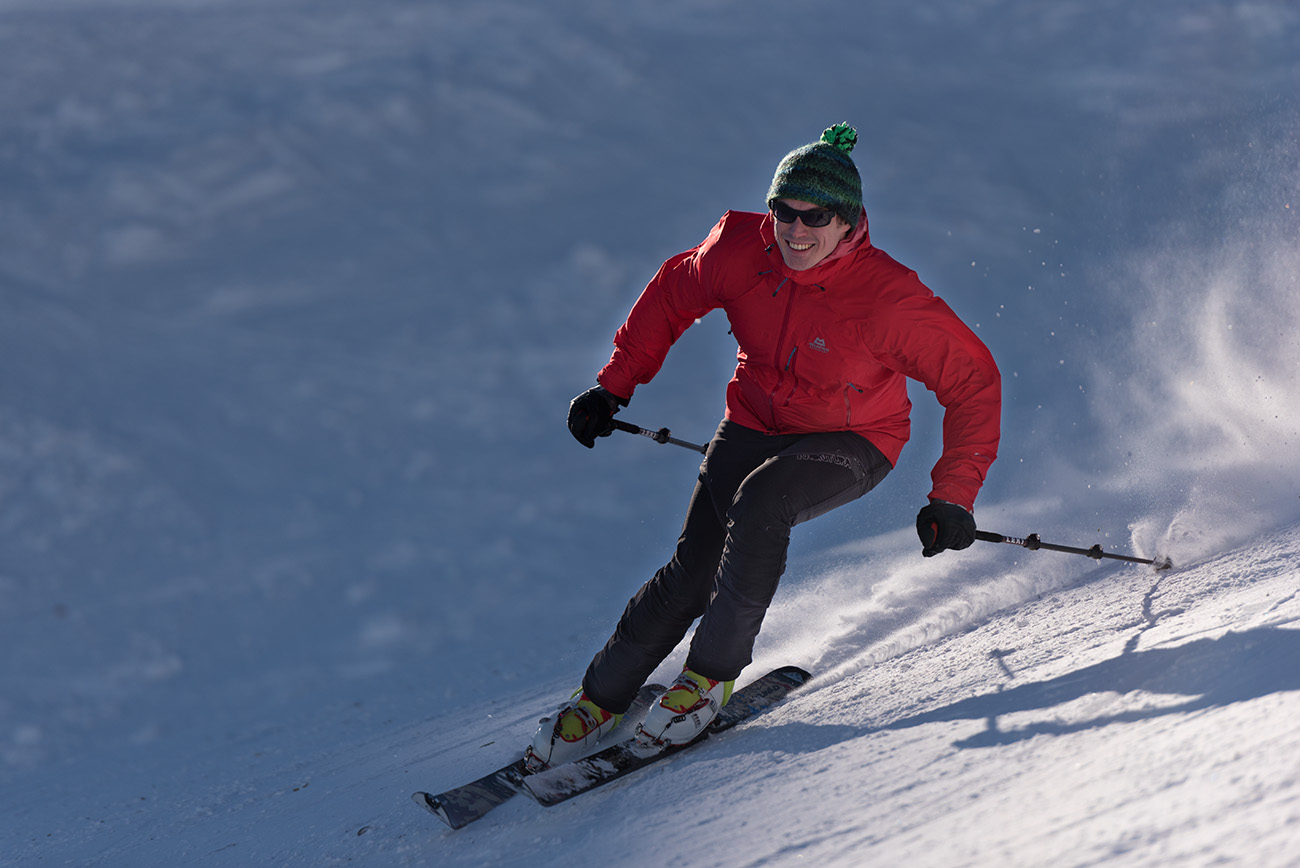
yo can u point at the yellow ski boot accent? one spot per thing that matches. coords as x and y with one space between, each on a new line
683 713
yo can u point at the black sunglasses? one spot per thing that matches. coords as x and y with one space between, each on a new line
812 218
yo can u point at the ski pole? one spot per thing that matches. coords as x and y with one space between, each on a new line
660 436
1033 543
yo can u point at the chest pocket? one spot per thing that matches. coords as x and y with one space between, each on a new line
827 355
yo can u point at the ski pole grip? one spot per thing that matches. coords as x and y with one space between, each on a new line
1032 542
660 436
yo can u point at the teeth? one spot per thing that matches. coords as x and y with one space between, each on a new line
800 247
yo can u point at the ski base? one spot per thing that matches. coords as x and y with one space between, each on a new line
552 786
460 806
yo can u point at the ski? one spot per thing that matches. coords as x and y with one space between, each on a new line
463 805
552 786
460 806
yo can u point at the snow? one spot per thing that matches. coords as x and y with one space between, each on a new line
294 295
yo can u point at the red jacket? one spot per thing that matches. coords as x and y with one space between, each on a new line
826 349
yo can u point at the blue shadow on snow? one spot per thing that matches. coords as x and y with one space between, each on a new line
1212 673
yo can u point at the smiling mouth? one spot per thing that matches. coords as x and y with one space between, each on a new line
799 247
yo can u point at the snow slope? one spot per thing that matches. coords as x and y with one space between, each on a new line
294 293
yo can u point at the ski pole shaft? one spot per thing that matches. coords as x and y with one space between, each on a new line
1033 543
660 436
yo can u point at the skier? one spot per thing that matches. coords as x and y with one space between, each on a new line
829 329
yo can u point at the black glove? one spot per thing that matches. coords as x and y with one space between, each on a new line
943 525
591 415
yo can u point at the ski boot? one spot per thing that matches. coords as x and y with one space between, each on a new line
577 726
682 714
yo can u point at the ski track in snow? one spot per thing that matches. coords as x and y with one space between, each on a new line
293 295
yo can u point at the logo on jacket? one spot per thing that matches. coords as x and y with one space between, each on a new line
819 345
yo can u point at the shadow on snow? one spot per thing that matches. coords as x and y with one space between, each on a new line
1211 673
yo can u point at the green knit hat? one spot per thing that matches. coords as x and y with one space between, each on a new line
822 173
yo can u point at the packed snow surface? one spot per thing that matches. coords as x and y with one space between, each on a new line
293 297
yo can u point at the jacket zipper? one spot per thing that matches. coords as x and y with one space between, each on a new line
794 379
848 404
789 361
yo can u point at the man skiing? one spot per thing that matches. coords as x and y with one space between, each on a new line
829 329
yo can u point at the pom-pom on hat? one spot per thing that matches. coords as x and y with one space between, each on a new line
822 173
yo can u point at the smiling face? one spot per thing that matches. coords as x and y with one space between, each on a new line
804 246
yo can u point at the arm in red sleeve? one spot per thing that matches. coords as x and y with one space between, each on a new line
929 343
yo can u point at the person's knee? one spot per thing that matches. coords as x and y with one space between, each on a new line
763 501
681 600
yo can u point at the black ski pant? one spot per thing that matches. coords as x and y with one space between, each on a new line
753 488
